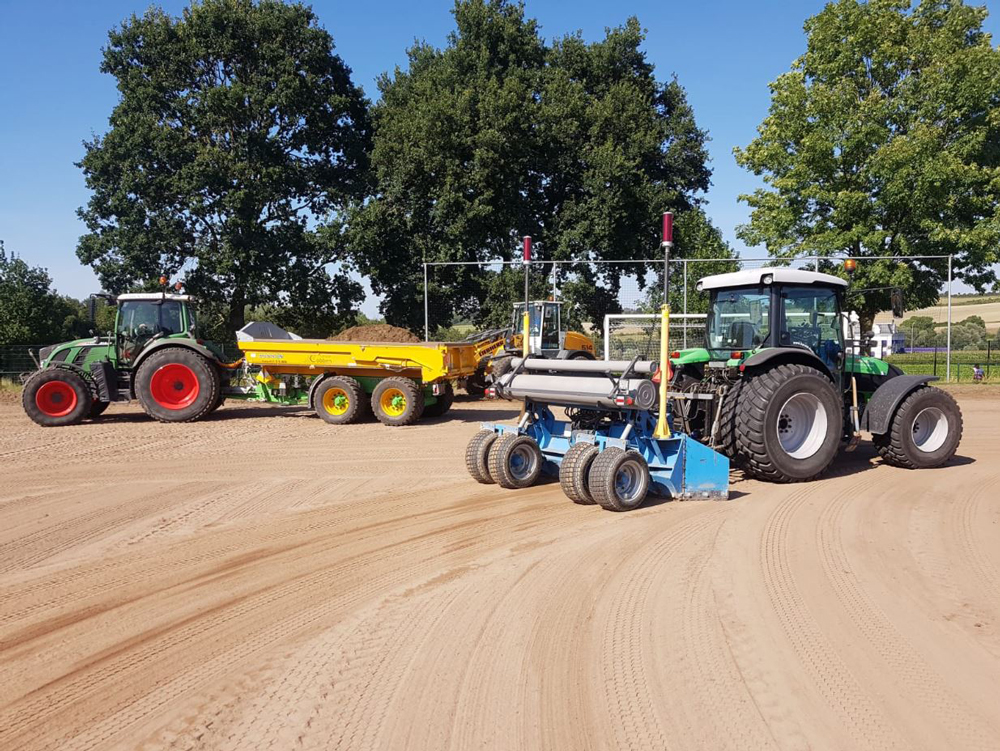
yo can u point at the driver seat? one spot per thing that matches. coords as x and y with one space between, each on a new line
742 334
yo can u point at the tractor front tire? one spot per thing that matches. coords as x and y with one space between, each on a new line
177 384
477 456
789 423
442 404
340 400
515 461
398 401
619 479
574 470
925 431
56 397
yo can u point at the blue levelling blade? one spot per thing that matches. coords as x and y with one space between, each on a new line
688 469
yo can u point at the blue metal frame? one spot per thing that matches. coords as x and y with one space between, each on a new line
679 466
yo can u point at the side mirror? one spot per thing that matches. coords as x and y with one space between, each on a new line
896 298
92 309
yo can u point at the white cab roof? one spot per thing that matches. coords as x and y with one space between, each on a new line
153 296
779 275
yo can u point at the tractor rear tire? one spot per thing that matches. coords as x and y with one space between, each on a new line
477 456
925 431
177 384
340 400
398 401
789 423
443 403
97 409
619 479
725 438
515 461
574 470
56 397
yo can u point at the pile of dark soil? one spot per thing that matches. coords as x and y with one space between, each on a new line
378 332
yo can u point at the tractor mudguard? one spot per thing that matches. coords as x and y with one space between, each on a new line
774 355
882 406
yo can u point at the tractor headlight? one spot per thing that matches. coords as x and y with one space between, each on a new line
699 286
767 279
44 352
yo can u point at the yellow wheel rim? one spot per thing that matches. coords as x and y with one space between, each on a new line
393 402
336 401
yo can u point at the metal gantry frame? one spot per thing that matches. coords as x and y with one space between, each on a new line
815 260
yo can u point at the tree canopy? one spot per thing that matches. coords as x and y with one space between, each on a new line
30 312
236 129
884 140
500 135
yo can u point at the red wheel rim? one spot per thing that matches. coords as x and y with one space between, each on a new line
56 398
174 386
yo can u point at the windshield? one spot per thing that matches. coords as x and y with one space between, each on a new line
740 318
811 320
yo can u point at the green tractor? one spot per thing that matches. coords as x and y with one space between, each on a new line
780 388
154 355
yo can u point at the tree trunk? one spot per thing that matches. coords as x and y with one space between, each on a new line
237 312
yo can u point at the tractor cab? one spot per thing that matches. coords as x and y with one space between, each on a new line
143 317
762 309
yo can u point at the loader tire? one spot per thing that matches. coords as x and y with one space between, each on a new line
515 461
56 397
925 431
619 479
398 401
177 384
789 422
501 366
442 404
340 400
574 470
477 456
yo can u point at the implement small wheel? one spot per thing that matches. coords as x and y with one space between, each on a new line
925 431
56 397
477 456
443 403
574 470
339 400
398 401
618 479
515 461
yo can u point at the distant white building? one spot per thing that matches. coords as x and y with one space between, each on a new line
888 340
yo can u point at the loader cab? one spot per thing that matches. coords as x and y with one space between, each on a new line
143 317
545 326
761 309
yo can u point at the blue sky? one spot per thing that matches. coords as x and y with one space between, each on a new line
52 95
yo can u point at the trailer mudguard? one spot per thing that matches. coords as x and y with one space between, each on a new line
887 397
574 354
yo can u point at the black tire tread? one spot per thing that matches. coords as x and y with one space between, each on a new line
170 354
499 456
477 456
751 405
574 470
79 384
355 395
443 403
890 445
414 396
602 478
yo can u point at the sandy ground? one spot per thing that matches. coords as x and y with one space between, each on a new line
264 580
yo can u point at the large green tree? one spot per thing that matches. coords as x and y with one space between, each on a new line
237 128
500 135
30 311
884 140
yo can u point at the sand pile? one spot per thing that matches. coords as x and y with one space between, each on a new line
378 332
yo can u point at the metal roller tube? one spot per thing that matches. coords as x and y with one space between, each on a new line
642 367
568 390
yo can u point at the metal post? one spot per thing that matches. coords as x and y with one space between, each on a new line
427 320
555 292
947 371
662 428
685 303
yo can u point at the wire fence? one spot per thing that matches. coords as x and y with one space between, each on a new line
632 288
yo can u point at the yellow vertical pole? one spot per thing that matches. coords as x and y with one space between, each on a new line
526 324
662 428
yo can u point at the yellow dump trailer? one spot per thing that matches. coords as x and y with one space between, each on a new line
345 381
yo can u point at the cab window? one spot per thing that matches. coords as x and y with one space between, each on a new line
811 320
550 327
740 318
